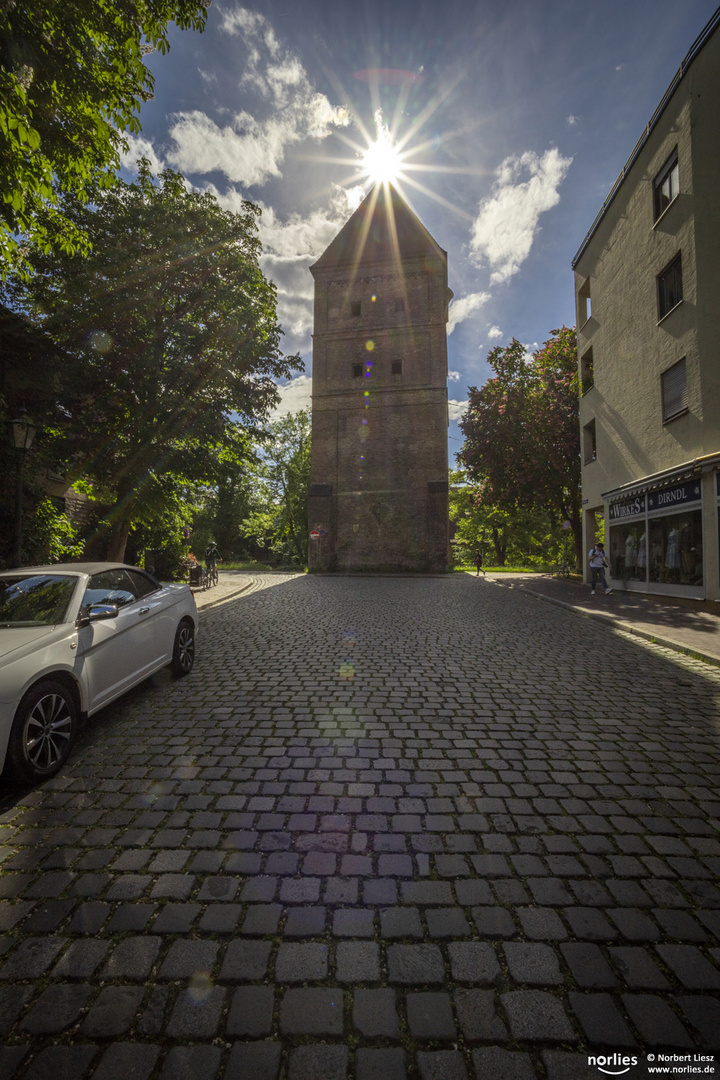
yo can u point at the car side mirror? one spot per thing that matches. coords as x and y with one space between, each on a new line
95 612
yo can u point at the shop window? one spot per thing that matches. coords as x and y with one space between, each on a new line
674 390
584 303
357 370
587 376
396 367
628 551
676 550
355 309
589 443
669 283
666 185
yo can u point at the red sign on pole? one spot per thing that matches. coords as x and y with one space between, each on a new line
314 534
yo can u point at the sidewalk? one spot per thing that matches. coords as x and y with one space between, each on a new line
230 584
687 626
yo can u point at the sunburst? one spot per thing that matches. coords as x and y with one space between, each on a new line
382 162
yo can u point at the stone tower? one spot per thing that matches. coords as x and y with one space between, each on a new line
379 484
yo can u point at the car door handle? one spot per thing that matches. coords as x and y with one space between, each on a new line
143 611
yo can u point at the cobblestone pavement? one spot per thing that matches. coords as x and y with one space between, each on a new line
388 829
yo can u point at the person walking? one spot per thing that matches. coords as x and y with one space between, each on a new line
598 563
479 563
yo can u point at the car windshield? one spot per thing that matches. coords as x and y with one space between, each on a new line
34 599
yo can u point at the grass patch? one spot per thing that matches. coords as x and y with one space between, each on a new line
471 569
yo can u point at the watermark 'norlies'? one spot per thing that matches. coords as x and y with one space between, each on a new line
613 1064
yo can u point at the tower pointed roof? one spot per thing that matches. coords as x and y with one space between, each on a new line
382 228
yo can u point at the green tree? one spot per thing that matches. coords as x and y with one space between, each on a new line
72 79
171 342
523 537
279 519
522 439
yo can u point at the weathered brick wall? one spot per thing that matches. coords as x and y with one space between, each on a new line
379 459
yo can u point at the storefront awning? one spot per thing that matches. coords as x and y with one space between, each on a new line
687 471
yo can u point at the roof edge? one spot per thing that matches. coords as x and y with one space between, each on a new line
693 51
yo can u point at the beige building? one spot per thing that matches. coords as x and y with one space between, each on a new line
647 286
379 478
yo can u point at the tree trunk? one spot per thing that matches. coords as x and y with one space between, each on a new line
500 548
117 541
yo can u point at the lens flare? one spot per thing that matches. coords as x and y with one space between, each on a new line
200 987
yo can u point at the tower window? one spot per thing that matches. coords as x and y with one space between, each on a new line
355 309
357 370
396 367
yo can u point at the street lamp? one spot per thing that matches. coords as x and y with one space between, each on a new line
21 433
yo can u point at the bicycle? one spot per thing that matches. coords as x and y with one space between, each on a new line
562 569
212 575
197 576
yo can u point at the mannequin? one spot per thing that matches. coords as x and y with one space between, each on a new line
672 552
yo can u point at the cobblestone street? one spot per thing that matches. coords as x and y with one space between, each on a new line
388 829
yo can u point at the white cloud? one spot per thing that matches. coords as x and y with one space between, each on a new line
290 247
454 376
507 221
249 149
307 234
139 148
457 409
572 121
495 332
294 396
464 307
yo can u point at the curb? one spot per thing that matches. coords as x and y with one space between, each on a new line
222 599
630 628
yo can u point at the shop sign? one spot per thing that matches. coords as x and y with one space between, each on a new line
677 495
627 508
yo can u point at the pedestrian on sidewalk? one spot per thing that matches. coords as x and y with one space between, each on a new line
479 563
598 563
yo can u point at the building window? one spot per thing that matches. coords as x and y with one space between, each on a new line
666 185
587 377
355 309
674 390
399 304
396 367
584 304
589 443
676 549
670 287
357 371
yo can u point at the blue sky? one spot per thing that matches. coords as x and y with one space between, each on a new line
515 118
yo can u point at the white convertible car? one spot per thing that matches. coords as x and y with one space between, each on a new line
73 637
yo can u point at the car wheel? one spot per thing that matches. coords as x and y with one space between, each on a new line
183 656
43 731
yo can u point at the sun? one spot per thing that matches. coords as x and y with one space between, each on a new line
382 162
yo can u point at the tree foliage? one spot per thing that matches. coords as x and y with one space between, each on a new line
519 536
279 518
171 342
522 439
72 79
